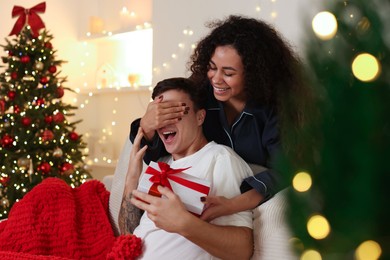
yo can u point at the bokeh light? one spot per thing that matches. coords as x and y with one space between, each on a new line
324 25
302 181
318 227
311 255
365 67
368 250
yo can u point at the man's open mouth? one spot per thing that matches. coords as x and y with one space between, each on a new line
168 135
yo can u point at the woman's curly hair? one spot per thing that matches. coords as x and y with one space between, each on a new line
273 74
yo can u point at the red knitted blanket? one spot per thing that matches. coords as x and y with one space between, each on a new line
55 221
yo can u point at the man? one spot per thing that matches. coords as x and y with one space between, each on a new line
167 229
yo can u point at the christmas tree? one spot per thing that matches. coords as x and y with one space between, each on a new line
339 205
37 140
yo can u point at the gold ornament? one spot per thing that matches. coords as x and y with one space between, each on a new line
39 65
28 78
5 203
57 152
31 170
23 163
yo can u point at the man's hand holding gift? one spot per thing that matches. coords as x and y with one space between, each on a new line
163 211
189 189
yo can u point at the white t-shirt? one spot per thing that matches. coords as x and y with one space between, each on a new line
225 170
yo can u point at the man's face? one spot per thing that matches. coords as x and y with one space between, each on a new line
182 138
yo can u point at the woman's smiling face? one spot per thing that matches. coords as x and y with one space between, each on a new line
226 74
184 137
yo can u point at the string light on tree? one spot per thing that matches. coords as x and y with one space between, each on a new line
366 67
368 250
302 181
311 255
324 25
318 227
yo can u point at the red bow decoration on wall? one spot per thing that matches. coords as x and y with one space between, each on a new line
30 17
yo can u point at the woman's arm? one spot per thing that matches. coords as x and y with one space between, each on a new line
218 206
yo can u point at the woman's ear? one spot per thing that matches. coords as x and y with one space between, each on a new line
200 116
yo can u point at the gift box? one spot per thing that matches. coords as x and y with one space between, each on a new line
189 188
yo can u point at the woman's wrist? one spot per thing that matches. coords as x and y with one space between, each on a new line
247 201
148 133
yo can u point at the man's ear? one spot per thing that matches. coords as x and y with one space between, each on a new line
200 116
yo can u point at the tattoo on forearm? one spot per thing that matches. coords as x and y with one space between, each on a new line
129 216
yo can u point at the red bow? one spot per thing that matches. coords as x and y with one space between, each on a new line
166 173
30 17
161 178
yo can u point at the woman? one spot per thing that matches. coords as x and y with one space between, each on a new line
256 97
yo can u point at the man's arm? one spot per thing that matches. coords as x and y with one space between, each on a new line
170 214
129 215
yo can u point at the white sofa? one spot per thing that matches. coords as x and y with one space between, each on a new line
271 233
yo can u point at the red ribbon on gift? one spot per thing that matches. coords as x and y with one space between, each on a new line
161 178
30 17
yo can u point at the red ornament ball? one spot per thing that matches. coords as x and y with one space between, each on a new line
44 167
10 53
52 69
26 121
14 75
16 109
59 117
11 94
67 168
6 141
2 106
39 102
48 45
73 136
60 92
47 135
48 119
4 181
25 59
44 80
